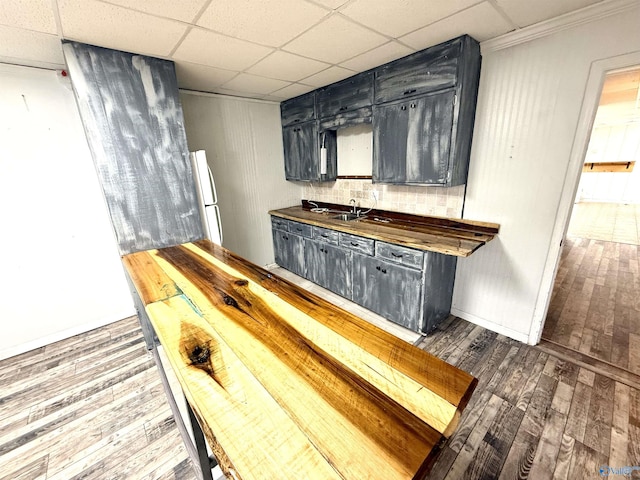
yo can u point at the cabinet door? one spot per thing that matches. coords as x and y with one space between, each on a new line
393 291
288 250
429 70
351 94
412 140
329 267
338 270
301 155
298 110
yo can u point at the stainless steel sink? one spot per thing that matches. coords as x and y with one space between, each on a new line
347 217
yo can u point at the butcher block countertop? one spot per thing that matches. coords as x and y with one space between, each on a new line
435 234
286 385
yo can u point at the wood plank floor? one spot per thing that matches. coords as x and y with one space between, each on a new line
89 407
595 306
92 407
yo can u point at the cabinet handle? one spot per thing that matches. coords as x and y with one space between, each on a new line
342 109
409 92
322 249
285 237
413 105
299 229
403 107
378 268
296 120
384 270
324 235
355 244
396 255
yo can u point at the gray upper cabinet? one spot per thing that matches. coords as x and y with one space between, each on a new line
298 110
347 102
301 151
302 141
412 140
422 108
426 71
424 114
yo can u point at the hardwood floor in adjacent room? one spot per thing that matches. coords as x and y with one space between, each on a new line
89 407
595 305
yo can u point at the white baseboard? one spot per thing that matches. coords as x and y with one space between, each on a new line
64 334
519 336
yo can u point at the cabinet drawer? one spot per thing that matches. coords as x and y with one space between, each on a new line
423 72
350 94
359 244
280 224
300 229
403 255
298 110
326 235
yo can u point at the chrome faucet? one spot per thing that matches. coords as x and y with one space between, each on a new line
352 202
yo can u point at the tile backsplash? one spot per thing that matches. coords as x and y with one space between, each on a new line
438 201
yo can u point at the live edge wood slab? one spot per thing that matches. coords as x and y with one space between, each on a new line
286 385
456 237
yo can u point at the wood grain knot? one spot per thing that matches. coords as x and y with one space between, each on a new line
199 355
242 282
229 300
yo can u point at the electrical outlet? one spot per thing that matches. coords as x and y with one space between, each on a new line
374 194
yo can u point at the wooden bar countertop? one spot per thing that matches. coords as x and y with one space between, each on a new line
436 234
286 385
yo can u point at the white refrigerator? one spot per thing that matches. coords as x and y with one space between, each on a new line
207 196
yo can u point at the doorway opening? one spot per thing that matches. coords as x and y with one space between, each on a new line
595 306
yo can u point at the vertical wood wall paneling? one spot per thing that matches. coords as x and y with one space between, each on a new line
243 142
133 121
528 109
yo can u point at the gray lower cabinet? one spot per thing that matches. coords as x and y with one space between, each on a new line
329 266
289 251
410 287
412 140
392 291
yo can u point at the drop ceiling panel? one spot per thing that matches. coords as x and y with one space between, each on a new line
335 40
27 46
333 4
291 91
398 17
33 15
215 50
287 66
254 84
115 27
271 23
328 76
378 56
481 21
184 10
200 77
525 13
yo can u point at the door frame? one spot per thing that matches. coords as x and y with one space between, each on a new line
591 99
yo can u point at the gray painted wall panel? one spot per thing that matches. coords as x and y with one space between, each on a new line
134 125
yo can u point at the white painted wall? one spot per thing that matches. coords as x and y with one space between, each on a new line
529 105
612 143
243 142
61 273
